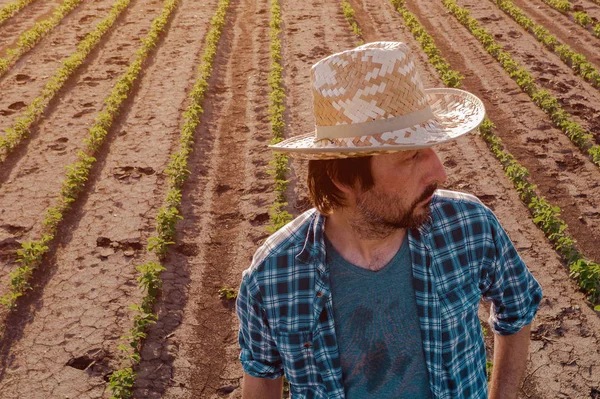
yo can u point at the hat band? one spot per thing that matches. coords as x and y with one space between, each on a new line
374 127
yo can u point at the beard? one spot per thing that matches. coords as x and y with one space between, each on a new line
381 214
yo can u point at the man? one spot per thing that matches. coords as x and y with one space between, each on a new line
375 293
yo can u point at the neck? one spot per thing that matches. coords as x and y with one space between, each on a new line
364 244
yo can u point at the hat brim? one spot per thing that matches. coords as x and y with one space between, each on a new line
456 112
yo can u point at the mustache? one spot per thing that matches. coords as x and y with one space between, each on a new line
427 193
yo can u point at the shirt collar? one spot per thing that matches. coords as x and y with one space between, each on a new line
313 250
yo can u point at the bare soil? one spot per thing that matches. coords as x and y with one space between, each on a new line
62 341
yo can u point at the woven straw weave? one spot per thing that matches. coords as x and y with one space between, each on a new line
375 82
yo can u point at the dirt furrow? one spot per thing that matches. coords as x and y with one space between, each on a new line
31 178
25 80
563 321
565 30
563 175
577 96
310 32
224 211
24 20
90 282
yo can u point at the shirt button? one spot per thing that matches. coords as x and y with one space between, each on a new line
307 345
319 294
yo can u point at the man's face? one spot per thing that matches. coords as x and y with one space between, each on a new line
403 185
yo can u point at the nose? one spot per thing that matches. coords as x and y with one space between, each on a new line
437 173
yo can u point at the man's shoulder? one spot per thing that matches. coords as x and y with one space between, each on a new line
449 207
285 243
449 203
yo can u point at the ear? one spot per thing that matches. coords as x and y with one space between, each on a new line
350 192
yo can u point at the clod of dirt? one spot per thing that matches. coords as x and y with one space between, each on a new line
106 252
17 106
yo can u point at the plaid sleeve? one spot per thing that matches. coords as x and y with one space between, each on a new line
259 355
514 292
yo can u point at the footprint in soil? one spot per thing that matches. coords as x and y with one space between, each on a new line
83 112
259 219
221 188
94 362
514 34
9 247
22 78
187 249
86 19
450 163
491 18
230 216
303 17
116 61
17 106
124 173
319 52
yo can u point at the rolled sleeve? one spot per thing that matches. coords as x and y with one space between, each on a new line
259 355
513 291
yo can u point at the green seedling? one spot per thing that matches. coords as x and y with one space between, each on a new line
228 294
349 14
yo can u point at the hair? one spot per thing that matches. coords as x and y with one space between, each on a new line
323 174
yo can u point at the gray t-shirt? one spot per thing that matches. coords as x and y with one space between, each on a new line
377 328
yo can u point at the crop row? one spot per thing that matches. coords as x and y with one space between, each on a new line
545 216
581 17
11 9
20 130
30 38
574 60
31 253
349 14
542 98
279 166
450 77
121 381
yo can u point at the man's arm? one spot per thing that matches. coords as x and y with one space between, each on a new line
510 359
261 388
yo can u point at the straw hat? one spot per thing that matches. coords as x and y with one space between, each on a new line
370 100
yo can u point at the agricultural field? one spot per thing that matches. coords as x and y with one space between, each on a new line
136 182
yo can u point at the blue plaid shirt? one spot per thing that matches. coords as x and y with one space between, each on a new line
462 254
